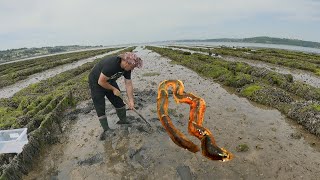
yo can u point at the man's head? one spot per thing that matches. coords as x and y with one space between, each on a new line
130 60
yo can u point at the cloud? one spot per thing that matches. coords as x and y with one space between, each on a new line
123 21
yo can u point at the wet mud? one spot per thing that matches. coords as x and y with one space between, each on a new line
266 145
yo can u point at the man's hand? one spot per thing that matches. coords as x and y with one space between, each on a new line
116 92
131 105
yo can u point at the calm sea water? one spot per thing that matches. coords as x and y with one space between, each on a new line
256 45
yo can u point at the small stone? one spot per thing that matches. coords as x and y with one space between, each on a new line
258 147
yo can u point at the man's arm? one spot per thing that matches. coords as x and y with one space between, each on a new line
129 88
102 81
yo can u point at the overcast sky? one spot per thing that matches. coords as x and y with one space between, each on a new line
38 23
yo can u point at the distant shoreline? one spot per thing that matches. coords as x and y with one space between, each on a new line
262 40
251 45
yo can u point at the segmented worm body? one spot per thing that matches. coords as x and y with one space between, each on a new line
196 116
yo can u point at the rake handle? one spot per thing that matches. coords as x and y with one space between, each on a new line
134 109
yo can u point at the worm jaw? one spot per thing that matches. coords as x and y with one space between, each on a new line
226 156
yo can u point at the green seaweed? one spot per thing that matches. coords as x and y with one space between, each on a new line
249 90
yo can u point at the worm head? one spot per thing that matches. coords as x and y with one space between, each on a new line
200 131
213 152
225 155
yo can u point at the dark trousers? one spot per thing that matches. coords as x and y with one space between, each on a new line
98 93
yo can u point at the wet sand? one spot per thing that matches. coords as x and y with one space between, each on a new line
278 147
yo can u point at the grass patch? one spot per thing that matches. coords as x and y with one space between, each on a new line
8 116
316 107
317 71
248 91
242 148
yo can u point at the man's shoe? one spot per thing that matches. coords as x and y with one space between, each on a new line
105 126
122 114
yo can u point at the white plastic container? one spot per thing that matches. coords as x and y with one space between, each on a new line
13 140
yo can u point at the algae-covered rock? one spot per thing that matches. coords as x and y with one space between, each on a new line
307 113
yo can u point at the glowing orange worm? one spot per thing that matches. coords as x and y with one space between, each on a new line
195 128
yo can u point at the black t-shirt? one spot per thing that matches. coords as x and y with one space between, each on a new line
111 68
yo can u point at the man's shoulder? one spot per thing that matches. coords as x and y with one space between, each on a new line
109 58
